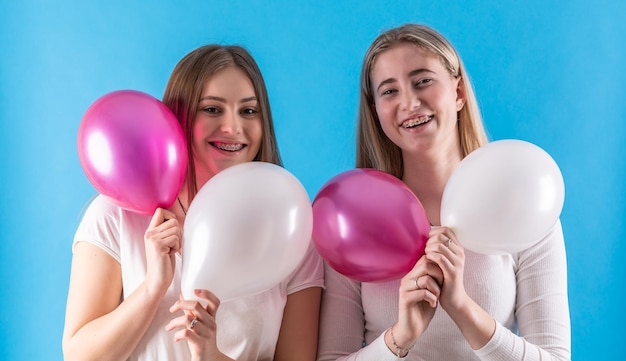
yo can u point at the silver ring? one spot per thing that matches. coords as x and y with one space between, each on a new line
193 323
449 241
417 287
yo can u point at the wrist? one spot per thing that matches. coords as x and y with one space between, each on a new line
156 289
461 308
399 345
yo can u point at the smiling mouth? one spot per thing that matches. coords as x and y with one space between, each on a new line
228 147
416 122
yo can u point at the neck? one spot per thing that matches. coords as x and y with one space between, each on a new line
181 204
427 175
203 174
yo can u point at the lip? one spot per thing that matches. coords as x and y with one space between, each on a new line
415 121
227 146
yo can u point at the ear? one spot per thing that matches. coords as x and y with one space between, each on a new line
460 93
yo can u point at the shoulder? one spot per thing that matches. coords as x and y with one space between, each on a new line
102 209
552 243
309 273
100 205
546 256
104 224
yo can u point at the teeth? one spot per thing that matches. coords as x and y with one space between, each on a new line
416 121
229 146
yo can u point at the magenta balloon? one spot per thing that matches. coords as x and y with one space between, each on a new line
369 226
132 150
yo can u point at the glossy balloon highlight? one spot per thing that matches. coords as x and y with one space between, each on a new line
503 197
246 230
132 149
369 226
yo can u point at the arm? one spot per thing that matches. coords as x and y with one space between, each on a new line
342 323
299 329
542 309
476 325
97 325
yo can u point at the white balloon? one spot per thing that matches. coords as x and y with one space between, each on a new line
503 197
246 230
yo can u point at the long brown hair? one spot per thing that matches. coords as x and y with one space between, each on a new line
374 149
184 89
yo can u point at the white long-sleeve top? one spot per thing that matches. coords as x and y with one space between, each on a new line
526 293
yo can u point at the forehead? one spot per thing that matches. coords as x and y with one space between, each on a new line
401 59
230 79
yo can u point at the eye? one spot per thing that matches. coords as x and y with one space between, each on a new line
388 92
210 109
249 111
422 82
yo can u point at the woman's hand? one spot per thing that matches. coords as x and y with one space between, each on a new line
418 295
162 240
476 325
197 325
444 250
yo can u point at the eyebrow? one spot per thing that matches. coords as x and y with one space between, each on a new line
412 73
220 99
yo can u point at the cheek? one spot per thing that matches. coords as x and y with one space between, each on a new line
384 111
255 135
446 99
388 130
385 115
198 134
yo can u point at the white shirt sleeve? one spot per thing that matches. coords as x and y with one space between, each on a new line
342 323
542 310
100 226
309 273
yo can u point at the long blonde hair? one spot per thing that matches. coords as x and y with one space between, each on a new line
374 149
184 89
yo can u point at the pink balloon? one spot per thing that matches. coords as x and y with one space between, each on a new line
132 150
369 226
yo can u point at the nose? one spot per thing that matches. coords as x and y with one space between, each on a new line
231 123
410 101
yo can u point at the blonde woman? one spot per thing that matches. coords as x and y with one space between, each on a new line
418 118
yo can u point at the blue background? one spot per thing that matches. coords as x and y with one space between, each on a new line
549 72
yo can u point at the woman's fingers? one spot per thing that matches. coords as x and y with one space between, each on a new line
422 283
425 288
441 237
195 312
160 216
164 231
213 302
426 267
443 249
162 239
184 321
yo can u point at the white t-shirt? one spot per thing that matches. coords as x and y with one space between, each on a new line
526 293
248 327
